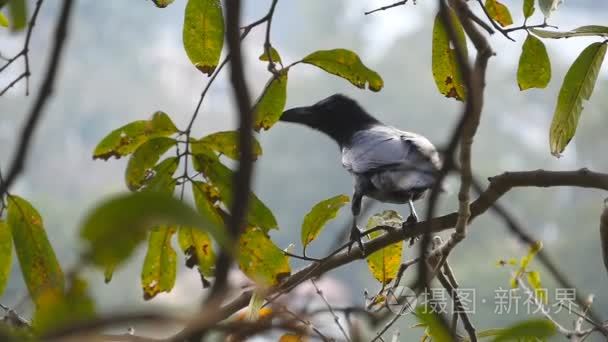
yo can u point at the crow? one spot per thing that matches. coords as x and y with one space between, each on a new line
388 164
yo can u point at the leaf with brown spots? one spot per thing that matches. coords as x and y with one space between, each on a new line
348 65
271 103
446 73
499 12
225 143
39 265
260 259
160 265
126 139
203 34
143 160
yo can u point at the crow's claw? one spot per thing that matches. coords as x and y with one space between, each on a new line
355 237
412 219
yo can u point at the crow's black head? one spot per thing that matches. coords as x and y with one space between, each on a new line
337 116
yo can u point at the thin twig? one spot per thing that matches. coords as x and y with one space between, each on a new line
384 8
331 310
24 53
46 90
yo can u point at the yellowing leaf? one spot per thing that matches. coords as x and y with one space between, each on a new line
270 104
3 20
274 54
160 264
319 215
499 12
73 306
225 143
160 178
260 259
384 264
577 87
222 178
39 265
128 138
583 31
289 337
348 65
446 72
198 249
535 328
528 8
143 159
203 34
6 254
534 65
118 225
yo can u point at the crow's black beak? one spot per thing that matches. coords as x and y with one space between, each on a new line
298 114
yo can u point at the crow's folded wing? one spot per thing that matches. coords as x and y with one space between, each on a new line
382 147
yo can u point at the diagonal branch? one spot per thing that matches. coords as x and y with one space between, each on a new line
499 185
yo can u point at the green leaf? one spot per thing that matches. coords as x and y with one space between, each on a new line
203 34
499 12
222 177
17 10
578 86
162 3
39 265
198 249
3 20
6 254
143 159
274 54
319 215
118 225
73 306
260 259
226 143
384 264
548 6
128 138
348 65
160 265
446 71
161 179
537 328
534 65
435 329
528 8
589 30
271 103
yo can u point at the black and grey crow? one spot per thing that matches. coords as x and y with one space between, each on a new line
388 164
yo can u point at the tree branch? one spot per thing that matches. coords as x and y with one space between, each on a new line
499 185
604 233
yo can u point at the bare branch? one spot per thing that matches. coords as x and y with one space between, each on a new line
384 8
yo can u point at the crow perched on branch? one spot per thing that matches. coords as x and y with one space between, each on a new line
388 164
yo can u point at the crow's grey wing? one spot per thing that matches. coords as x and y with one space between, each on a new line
384 147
